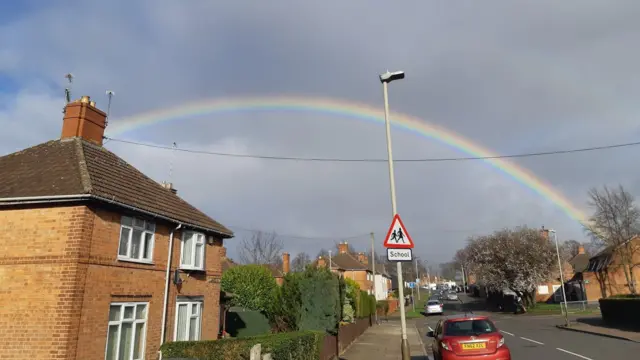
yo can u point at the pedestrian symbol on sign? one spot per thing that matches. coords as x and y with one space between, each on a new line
397 237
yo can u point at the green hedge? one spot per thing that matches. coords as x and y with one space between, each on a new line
621 311
299 345
366 305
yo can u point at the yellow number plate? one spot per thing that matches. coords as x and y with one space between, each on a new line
473 346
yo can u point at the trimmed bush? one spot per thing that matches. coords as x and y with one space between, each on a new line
301 345
621 311
320 297
253 286
366 305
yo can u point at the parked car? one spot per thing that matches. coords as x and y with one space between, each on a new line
468 337
452 296
433 307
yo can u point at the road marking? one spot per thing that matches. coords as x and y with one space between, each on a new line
574 354
533 341
508 333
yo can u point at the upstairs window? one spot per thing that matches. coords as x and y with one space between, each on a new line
192 251
136 240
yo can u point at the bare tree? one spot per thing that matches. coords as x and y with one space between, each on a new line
615 222
569 249
261 248
300 261
324 253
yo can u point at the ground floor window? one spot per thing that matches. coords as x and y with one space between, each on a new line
127 331
188 319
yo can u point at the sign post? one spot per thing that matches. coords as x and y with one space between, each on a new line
399 248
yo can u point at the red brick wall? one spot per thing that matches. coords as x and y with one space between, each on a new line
41 281
110 280
78 249
361 278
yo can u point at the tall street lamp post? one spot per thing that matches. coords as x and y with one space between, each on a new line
564 295
385 79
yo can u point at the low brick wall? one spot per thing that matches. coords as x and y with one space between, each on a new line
334 345
393 305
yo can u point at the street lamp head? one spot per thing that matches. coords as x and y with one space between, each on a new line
391 76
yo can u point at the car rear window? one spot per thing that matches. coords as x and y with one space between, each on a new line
469 327
435 302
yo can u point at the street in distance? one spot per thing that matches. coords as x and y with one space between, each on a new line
399 255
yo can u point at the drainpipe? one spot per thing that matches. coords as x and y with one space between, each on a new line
166 286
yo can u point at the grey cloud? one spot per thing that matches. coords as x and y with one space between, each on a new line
512 76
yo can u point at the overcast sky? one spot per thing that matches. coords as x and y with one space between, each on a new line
513 76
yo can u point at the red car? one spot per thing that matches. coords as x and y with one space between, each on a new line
468 337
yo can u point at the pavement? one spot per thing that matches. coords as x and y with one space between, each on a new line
596 326
382 342
538 337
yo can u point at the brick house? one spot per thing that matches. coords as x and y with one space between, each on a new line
605 276
352 267
278 272
99 261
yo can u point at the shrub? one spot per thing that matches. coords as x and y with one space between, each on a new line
366 305
350 299
302 345
253 286
321 300
286 310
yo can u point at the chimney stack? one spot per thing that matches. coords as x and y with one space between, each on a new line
343 248
321 262
285 263
84 120
581 249
363 258
169 186
545 233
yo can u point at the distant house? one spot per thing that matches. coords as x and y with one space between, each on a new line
279 272
605 276
383 282
99 261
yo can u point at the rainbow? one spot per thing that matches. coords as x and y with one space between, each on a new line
352 110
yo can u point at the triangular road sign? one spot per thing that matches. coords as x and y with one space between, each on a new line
397 236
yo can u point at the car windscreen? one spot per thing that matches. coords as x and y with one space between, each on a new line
433 303
469 327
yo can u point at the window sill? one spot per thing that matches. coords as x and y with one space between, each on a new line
192 269
134 261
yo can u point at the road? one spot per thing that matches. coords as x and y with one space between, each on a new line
536 337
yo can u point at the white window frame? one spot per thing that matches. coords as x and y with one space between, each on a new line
146 228
543 289
190 302
134 322
198 240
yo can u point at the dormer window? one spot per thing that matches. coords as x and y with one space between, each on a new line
136 240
